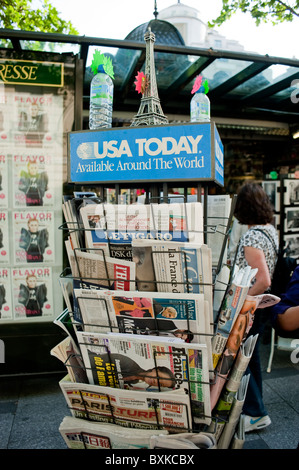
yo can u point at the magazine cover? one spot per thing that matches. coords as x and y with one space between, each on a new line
166 410
33 176
32 293
6 307
156 364
4 239
33 237
4 180
38 119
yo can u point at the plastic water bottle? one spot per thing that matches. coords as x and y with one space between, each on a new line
101 100
200 107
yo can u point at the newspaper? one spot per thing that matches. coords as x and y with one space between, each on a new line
69 354
183 316
234 415
103 271
149 363
233 301
219 207
239 436
174 267
200 440
82 434
166 410
113 227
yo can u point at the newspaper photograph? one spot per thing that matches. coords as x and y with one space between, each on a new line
6 305
149 410
82 434
33 237
4 238
152 364
100 270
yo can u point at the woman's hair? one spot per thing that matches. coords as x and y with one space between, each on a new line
165 371
253 206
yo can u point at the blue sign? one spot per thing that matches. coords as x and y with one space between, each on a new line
185 152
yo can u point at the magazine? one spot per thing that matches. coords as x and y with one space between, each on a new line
152 363
102 271
4 238
82 434
4 158
32 293
33 179
166 410
33 237
237 335
6 306
232 303
173 267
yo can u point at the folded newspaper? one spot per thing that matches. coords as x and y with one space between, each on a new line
231 306
234 416
103 271
165 266
169 411
149 363
82 434
200 440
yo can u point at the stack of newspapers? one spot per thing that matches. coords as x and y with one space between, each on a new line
147 364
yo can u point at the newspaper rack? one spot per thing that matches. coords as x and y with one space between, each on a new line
107 282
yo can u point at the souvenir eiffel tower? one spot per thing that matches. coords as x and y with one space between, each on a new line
150 111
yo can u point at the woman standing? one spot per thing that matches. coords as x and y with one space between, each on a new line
257 248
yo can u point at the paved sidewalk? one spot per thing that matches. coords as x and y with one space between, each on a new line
32 408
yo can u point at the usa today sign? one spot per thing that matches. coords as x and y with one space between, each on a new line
185 152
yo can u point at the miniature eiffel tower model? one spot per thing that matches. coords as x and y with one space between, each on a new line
150 111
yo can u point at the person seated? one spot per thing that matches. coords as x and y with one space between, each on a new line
285 314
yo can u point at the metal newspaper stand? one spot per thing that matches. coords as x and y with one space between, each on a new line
159 155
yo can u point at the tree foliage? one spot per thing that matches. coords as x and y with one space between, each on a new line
274 11
30 15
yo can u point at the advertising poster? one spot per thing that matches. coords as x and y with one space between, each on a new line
3 180
6 307
33 237
4 238
33 178
32 293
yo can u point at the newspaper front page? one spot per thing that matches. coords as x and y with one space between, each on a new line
152 363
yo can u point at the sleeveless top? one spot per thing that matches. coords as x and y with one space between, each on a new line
257 239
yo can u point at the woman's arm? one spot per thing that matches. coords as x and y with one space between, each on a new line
256 259
289 320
